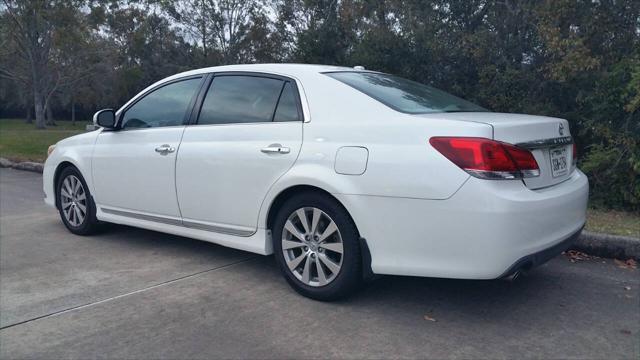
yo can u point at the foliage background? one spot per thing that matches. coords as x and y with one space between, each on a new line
574 59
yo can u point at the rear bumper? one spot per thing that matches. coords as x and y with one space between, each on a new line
479 233
533 260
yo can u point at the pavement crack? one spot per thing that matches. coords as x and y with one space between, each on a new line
78 307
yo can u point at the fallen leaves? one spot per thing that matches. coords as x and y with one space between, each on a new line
626 264
574 256
429 318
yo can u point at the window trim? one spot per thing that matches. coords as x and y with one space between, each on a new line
275 109
188 111
195 116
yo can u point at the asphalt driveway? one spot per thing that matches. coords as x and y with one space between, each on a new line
131 293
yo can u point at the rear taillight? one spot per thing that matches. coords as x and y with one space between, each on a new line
486 158
574 155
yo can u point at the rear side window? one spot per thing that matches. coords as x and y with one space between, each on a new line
240 99
287 109
404 95
166 106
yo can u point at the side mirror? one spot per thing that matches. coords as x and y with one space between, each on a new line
105 118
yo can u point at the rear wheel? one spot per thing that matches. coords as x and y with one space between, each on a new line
317 247
75 203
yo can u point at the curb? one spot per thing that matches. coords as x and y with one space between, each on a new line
608 246
602 245
25 165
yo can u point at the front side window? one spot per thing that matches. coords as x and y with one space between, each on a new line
404 95
240 99
166 106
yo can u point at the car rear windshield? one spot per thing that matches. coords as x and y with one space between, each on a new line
404 95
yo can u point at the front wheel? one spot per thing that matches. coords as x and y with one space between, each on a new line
75 204
317 247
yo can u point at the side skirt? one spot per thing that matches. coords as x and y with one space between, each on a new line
241 239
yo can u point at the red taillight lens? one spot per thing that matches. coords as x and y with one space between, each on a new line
486 158
574 154
524 160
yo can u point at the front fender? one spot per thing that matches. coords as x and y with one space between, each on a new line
77 151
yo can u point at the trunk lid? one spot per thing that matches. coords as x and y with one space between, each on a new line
548 139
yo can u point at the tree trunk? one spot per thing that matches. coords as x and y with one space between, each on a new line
203 31
50 120
39 111
29 119
73 112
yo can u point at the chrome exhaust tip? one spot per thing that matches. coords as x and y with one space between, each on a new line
511 278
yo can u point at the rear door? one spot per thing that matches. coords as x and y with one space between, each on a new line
248 133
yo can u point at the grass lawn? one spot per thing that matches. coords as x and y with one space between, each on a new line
20 141
23 142
613 222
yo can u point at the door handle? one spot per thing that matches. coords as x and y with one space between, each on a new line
165 149
276 149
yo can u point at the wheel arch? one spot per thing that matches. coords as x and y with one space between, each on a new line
291 191
56 176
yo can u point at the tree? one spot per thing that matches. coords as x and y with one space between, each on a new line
196 21
227 31
36 30
316 30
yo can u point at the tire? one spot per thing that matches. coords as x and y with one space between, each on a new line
75 203
299 255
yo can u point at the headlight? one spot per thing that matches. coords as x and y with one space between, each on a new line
50 149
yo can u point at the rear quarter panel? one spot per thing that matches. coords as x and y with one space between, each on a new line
401 161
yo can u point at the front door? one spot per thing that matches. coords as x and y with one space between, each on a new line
134 167
248 134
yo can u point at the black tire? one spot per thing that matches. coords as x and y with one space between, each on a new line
349 277
89 225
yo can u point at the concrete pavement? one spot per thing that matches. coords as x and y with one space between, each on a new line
131 293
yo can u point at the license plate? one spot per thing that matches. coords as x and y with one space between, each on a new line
558 157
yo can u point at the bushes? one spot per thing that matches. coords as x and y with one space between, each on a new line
614 174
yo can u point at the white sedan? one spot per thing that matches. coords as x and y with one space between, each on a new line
341 173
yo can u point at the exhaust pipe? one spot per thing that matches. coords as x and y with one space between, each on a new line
512 278
522 269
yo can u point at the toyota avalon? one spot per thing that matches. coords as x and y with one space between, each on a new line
342 173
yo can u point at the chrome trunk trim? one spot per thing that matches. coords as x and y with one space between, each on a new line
537 144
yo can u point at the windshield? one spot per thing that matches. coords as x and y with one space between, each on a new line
404 95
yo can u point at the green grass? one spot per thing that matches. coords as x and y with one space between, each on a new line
20 141
613 222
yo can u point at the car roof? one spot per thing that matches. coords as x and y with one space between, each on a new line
286 69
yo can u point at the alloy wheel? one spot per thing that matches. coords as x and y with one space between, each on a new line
73 200
312 246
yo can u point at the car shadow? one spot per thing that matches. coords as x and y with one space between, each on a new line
480 299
